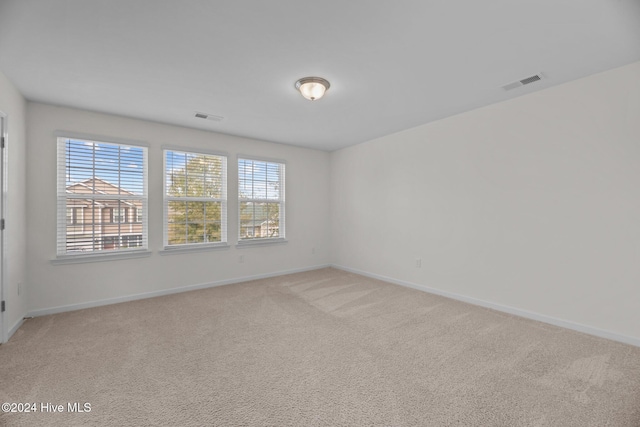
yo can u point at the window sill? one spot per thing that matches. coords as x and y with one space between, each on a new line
259 242
81 259
195 248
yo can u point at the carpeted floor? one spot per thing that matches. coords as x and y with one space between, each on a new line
321 348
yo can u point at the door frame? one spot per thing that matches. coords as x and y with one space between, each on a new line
4 333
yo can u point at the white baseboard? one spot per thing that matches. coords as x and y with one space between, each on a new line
503 308
116 300
499 307
14 328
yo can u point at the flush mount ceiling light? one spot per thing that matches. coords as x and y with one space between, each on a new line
312 88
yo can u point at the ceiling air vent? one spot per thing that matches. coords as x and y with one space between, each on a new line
211 117
525 81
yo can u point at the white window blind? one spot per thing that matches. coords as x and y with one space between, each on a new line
261 200
195 199
98 183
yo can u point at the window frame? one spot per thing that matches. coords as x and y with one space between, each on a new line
256 241
63 255
224 205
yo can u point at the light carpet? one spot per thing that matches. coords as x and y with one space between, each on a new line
320 348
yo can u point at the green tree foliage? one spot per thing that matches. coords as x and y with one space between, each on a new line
192 220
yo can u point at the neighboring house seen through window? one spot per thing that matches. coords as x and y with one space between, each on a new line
195 201
74 215
98 184
120 215
261 200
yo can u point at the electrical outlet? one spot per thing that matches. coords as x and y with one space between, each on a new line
19 288
241 259
418 262
313 250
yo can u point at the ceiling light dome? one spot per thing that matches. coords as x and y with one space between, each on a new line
312 88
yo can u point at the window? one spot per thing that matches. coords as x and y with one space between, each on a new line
98 182
261 200
119 215
195 198
74 216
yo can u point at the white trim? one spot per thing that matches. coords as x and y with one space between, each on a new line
223 199
193 247
165 232
63 194
282 224
15 328
506 309
191 150
261 241
99 138
116 300
4 166
503 308
259 159
101 256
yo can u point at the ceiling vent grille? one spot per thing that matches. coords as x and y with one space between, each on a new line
525 81
211 117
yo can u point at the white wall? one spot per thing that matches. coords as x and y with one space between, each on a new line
51 286
14 106
532 203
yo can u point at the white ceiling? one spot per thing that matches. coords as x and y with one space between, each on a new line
392 64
